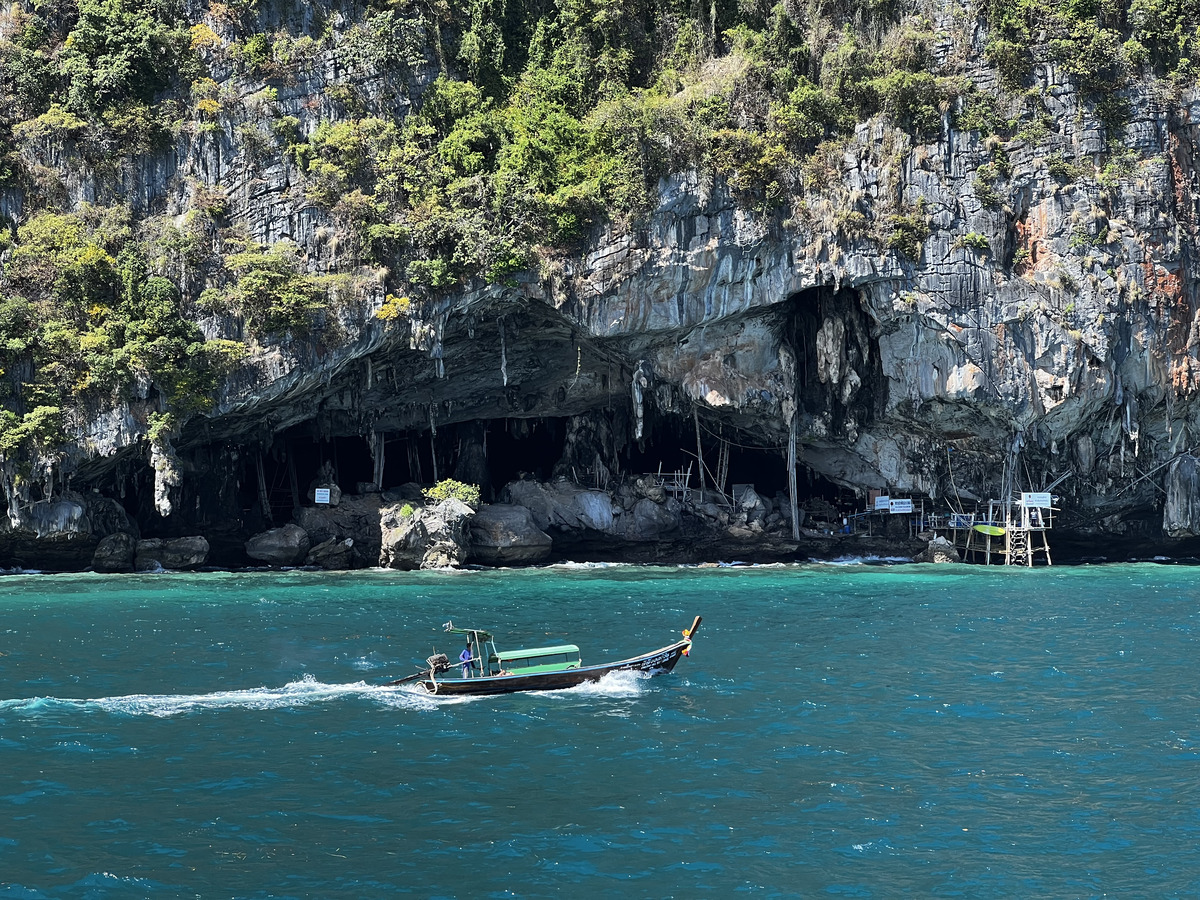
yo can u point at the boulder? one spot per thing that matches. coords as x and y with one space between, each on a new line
649 521
561 504
175 553
115 553
355 518
285 546
748 501
425 537
503 534
333 554
648 487
939 550
595 510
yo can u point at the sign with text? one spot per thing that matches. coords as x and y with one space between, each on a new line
901 506
883 503
321 495
1035 500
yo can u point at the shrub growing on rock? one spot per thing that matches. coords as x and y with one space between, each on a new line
449 489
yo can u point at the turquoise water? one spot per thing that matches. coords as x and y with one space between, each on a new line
855 731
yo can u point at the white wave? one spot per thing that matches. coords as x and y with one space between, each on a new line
294 694
614 684
571 564
862 560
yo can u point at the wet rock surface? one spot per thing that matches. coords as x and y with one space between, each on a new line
174 554
115 553
425 537
284 546
506 535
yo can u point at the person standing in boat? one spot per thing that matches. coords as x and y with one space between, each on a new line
465 659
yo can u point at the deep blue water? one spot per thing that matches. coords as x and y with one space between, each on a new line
854 731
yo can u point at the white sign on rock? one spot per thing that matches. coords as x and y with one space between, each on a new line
321 495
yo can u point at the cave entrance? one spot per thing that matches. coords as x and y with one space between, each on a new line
296 460
670 442
489 454
495 452
519 448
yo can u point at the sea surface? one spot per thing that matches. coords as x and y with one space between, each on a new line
838 730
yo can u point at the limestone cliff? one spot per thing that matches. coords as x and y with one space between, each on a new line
947 315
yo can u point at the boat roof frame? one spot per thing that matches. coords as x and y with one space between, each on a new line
451 628
537 651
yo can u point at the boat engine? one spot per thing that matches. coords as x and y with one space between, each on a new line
439 662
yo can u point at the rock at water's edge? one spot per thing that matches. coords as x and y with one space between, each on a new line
429 537
503 535
177 553
939 550
285 546
333 554
115 553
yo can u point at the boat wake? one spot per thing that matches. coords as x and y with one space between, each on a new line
305 692
613 685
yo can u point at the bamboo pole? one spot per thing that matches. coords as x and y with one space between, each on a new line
264 498
295 483
792 501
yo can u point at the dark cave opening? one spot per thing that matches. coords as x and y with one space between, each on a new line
489 453
523 447
514 448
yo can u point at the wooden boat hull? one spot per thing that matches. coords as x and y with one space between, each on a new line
655 663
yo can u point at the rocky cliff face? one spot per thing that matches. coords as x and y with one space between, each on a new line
1041 333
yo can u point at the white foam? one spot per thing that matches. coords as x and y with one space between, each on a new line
862 560
614 684
297 693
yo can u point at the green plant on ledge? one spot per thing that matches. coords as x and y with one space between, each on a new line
449 489
909 231
972 241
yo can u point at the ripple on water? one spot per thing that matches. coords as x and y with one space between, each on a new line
853 730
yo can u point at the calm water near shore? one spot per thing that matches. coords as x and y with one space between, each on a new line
841 730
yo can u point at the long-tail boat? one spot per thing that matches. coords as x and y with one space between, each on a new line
492 671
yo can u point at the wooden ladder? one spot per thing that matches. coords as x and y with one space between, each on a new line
1018 548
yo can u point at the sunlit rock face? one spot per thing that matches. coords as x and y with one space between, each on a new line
1045 336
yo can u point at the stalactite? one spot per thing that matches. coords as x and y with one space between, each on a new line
503 353
640 382
378 444
433 443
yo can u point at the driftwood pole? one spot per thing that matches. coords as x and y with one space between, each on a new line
699 452
378 443
264 498
294 482
792 478
433 443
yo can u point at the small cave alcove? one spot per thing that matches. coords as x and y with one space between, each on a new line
837 319
670 444
518 448
489 454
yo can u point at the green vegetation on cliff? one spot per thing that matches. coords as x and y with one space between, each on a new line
456 144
